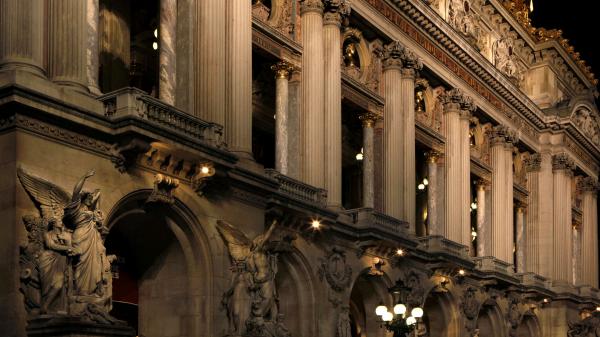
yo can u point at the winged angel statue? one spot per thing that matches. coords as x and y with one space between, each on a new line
251 300
64 266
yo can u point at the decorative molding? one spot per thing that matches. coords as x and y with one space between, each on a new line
336 272
163 190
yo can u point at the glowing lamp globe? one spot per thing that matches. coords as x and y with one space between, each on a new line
417 312
399 309
387 316
380 310
411 320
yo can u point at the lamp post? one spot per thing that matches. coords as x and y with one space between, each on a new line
397 321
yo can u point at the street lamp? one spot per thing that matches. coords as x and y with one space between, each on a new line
396 320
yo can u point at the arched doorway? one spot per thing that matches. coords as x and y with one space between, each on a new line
440 315
159 268
490 321
367 293
529 326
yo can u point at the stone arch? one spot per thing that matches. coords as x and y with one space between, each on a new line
367 293
164 267
529 326
441 314
490 320
296 293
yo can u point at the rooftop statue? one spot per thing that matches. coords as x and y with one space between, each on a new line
64 266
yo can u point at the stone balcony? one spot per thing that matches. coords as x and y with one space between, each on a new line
131 104
370 218
436 244
298 190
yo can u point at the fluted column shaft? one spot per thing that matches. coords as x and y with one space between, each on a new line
167 33
238 112
333 108
67 43
520 242
210 62
465 183
392 137
294 145
576 272
408 147
481 230
282 72
432 193
93 46
533 225
499 245
22 35
453 175
312 120
509 210
562 224
589 232
368 122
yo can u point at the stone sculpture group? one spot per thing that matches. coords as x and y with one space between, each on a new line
64 267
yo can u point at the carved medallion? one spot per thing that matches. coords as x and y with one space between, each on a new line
470 305
335 270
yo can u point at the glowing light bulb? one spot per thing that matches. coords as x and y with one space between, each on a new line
359 156
597 308
155 45
462 272
399 309
316 224
411 320
380 310
474 205
156 33
421 187
387 316
531 5
204 170
417 312
425 182
399 252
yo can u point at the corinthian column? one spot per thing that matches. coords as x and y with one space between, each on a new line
432 209
167 36
332 22
67 42
453 176
313 94
562 167
482 234
392 135
589 233
22 35
209 61
467 107
532 227
411 64
501 139
238 113
368 122
93 46
282 72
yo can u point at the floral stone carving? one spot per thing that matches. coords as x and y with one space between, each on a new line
64 267
337 273
251 300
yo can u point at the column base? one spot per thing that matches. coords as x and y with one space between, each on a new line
23 66
76 326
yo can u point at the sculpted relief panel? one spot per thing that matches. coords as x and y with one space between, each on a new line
587 123
64 266
428 107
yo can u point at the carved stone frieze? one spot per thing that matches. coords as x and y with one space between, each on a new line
336 272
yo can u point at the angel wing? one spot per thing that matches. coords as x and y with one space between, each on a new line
237 242
50 199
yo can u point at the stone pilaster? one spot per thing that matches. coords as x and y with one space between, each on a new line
368 179
589 232
410 65
67 43
22 35
332 22
93 46
520 239
313 94
282 72
210 62
466 109
167 32
501 141
432 193
392 137
238 112
453 177
562 167
482 233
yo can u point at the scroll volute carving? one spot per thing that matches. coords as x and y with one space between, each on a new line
480 145
428 108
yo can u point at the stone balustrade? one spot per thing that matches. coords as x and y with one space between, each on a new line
439 244
297 189
370 218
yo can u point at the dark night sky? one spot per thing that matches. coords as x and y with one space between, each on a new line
578 20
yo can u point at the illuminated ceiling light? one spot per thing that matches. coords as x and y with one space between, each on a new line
421 186
411 320
387 316
155 45
417 312
399 309
462 272
360 156
316 224
546 300
473 205
205 169
425 182
156 33
399 252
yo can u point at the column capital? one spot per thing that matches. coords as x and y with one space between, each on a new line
533 162
398 56
432 156
467 107
307 6
392 56
588 184
282 69
369 118
452 100
562 162
482 184
335 12
503 135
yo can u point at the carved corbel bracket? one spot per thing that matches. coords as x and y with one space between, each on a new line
125 154
163 190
